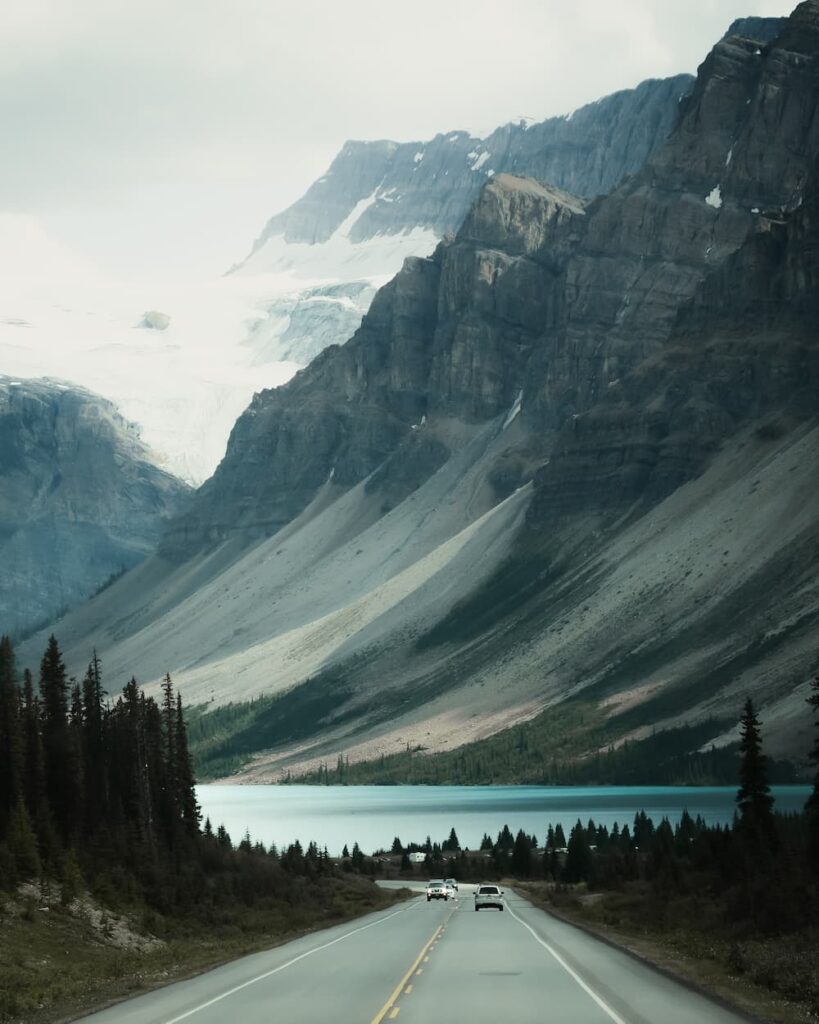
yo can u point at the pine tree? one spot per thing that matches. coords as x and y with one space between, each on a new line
95 789
22 843
522 855
61 785
452 843
11 748
756 821
812 808
35 788
185 781
578 864
505 839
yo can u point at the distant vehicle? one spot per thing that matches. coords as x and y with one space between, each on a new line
488 896
437 890
452 883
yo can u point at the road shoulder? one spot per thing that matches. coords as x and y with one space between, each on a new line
669 956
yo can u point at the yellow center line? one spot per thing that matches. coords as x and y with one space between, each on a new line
407 990
382 1013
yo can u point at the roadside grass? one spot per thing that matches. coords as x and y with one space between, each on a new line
772 978
54 966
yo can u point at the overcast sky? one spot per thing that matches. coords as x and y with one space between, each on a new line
159 135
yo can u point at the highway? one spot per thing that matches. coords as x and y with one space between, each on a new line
430 962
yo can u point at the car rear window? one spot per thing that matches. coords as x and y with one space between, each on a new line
488 890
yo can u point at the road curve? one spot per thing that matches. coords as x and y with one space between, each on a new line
424 962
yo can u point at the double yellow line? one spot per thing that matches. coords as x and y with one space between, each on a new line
382 1013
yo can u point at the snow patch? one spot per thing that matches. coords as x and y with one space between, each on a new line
728 158
755 209
346 226
714 197
513 412
419 156
480 161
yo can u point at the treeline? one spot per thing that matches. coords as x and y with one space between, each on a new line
759 875
99 793
553 750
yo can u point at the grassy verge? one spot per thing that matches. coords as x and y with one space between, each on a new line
774 978
57 963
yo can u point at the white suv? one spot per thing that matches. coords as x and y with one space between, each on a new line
488 896
437 890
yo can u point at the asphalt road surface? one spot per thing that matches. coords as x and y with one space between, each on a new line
422 962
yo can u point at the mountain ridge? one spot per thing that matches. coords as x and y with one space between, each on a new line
81 498
534 471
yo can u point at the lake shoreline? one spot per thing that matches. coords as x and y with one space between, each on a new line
373 816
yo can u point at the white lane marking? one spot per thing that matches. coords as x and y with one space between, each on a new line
604 1006
281 967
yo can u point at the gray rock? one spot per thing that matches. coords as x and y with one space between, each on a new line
80 500
432 184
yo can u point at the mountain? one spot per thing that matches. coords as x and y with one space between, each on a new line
80 499
569 456
380 202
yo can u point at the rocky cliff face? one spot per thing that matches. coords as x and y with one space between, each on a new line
572 451
539 294
80 500
432 184
448 339
380 202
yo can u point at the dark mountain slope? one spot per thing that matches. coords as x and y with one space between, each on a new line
80 499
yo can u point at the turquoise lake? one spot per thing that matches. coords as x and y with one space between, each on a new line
373 815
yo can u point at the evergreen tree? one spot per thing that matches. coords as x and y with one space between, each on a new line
61 785
560 837
35 789
396 846
22 843
505 839
522 855
183 775
578 864
452 843
11 746
756 820
812 808
94 754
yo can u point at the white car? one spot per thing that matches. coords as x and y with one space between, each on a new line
437 890
488 896
452 883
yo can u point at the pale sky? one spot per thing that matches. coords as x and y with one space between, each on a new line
157 136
